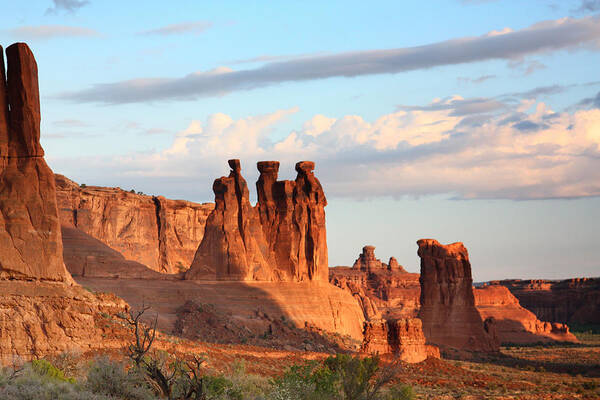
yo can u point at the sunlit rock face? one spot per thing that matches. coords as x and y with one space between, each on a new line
282 238
448 311
30 237
162 234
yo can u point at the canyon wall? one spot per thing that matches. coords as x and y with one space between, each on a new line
159 233
282 238
567 301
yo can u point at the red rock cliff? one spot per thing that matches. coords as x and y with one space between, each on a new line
30 237
568 301
283 238
448 311
160 233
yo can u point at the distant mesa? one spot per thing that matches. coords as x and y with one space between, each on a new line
282 238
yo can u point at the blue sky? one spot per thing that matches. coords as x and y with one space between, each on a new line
473 121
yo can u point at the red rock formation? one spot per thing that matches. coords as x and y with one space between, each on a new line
515 324
38 319
282 239
160 233
448 311
403 337
233 247
30 237
568 301
382 289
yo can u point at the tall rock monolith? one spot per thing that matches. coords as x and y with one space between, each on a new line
450 319
30 236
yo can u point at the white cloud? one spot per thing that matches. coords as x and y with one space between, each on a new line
512 153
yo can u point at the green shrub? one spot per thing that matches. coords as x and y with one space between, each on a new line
45 369
110 378
400 392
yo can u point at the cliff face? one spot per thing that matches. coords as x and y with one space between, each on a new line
567 301
41 318
30 237
515 324
160 233
402 337
282 238
448 311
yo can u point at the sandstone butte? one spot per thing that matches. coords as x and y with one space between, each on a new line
448 311
282 238
393 294
152 231
41 310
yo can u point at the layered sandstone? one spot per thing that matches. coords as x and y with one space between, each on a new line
39 319
282 238
515 324
402 337
448 311
159 233
568 301
30 237
304 305
383 290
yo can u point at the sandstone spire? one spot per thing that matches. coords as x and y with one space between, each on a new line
30 238
283 238
233 244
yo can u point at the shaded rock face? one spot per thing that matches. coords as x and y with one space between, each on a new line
448 311
159 233
403 337
30 237
568 301
513 323
283 238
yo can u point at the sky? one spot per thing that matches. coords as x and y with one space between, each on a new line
461 120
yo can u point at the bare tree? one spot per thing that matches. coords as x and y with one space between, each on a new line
144 335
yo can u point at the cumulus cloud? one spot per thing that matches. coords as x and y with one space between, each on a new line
524 151
44 32
66 5
543 37
194 27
